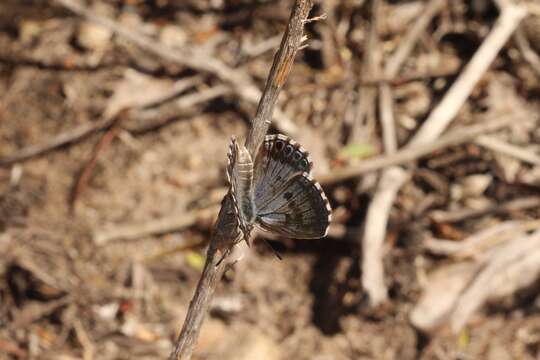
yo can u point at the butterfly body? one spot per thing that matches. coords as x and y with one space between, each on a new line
276 191
240 175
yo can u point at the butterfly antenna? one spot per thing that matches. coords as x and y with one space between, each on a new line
276 253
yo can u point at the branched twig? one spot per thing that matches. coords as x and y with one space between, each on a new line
446 110
408 154
444 113
184 104
224 236
392 179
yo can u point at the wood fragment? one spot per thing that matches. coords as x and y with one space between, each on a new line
478 244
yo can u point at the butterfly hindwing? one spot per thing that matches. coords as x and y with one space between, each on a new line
300 210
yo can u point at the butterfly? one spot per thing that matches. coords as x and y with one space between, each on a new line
276 191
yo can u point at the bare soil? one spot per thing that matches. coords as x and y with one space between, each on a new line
64 295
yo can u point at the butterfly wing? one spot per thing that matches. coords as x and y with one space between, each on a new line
240 176
299 209
278 159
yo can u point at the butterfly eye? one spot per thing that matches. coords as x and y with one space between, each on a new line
279 145
297 156
288 150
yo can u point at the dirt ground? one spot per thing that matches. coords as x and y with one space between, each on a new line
102 239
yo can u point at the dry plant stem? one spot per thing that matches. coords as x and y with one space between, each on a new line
84 177
466 214
373 280
79 133
239 82
364 121
224 236
526 51
392 68
154 227
57 141
444 113
483 284
456 137
393 178
497 145
279 73
374 234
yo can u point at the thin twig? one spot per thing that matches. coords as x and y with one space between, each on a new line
393 178
483 284
279 73
450 70
364 120
154 227
239 82
225 235
526 51
497 145
468 214
183 107
82 180
77 134
445 112
409 154
68 137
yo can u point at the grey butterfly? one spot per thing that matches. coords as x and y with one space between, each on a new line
276 192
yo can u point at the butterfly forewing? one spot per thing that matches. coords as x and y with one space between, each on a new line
278 159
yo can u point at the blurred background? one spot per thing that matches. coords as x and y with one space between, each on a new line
115 118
